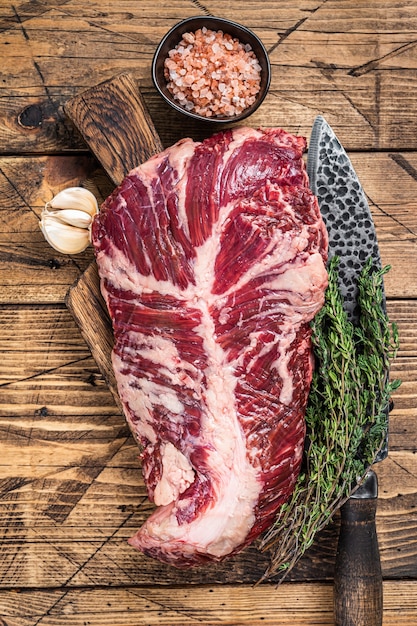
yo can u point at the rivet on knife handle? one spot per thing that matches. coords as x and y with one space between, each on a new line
358 597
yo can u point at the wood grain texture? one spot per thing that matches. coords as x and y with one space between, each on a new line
297 604
71 491
352 61
200 605
88 308
31 271
115 123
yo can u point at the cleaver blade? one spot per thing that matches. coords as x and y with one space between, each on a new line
343 204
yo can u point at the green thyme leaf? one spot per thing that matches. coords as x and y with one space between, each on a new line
346 416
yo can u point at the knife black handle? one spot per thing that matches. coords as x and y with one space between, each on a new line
358 599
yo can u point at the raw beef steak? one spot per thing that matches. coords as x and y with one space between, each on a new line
212 263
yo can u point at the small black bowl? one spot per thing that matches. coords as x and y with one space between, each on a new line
191 24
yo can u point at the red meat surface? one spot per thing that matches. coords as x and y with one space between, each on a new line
212 262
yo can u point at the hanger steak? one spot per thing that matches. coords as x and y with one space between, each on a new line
212 258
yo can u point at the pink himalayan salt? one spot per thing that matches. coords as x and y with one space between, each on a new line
212 74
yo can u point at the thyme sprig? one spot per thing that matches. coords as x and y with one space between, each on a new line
346 416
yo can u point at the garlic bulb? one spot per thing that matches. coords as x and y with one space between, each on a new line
66 220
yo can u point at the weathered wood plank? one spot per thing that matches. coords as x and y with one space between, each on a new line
201 605
85 302
353 62
114 121
31 271
46 367
71 492
301 604
67 522
43 358
68 526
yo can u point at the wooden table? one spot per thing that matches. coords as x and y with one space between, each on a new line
71 492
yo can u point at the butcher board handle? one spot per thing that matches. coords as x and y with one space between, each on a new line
113 120
115 123
358 599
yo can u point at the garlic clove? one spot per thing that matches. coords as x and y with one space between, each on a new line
74 198
63 237
72 217
66 220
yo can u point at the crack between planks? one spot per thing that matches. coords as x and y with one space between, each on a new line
282 37
370 66
402 467
13 186
201 6
402 162
167 607
43 372
391 217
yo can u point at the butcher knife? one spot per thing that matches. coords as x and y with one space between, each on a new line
352 238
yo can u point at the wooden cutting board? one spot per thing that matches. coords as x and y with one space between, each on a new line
117 127
114 121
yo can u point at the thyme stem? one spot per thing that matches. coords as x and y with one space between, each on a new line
346 415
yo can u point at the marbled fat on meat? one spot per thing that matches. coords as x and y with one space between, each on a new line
212 263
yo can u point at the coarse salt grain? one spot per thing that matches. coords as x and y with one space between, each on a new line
213 74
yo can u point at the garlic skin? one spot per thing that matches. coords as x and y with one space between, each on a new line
64 238
72 217
75 198
66 220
